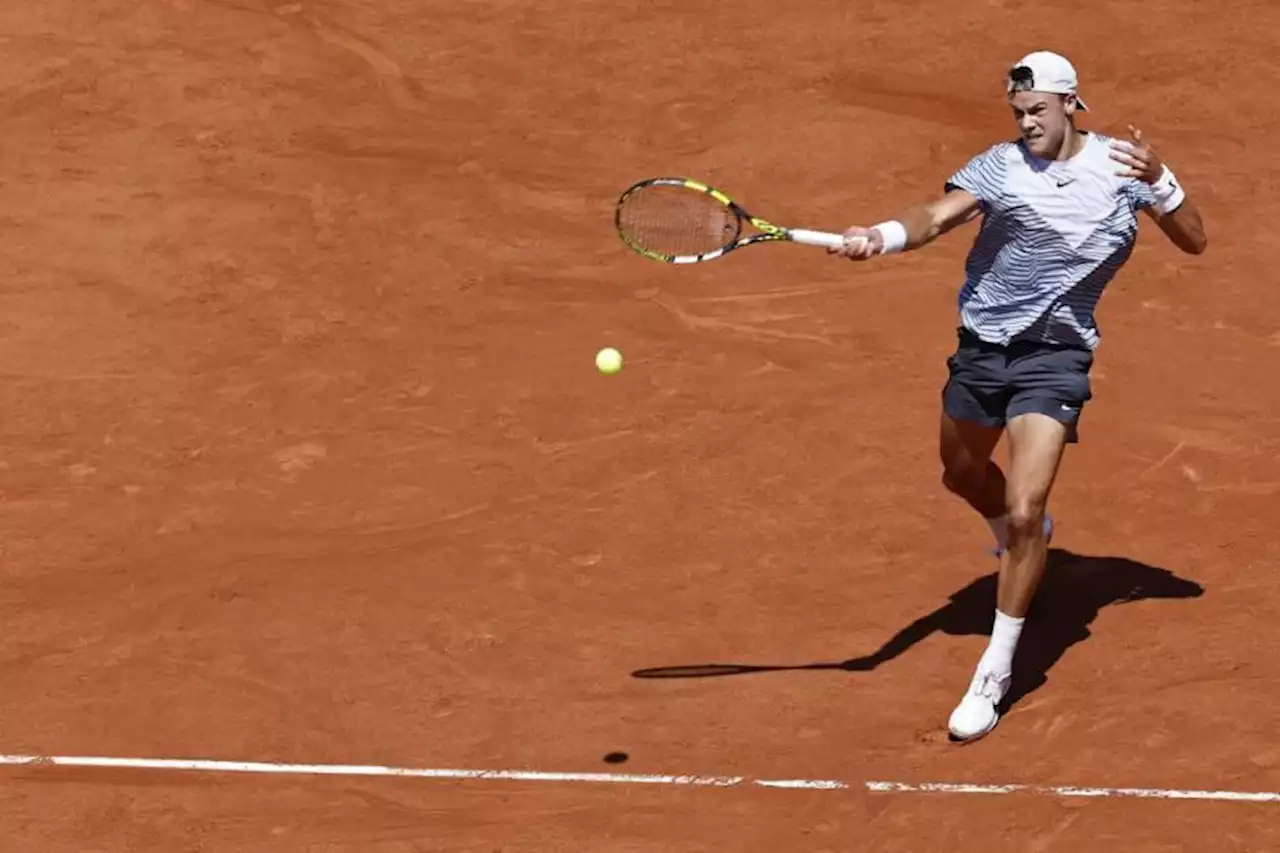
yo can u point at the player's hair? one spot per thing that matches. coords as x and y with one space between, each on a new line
1023 79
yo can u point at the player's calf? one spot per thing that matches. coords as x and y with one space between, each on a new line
981 486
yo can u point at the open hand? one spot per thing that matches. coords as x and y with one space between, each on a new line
1139 158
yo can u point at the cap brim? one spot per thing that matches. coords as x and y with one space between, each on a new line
1080 105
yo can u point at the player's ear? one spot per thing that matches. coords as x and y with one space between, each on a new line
1069 104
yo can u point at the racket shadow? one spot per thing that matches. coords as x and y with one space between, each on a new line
1075 590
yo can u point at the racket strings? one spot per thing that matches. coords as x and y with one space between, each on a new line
677 221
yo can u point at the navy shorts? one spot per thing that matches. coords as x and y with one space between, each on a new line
989 383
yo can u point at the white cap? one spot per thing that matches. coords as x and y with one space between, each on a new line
1045 71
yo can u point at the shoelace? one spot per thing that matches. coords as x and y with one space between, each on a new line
989 687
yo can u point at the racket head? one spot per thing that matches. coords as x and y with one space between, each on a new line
679 220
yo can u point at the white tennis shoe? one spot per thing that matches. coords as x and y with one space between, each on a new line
976 715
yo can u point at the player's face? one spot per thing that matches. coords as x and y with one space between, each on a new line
1044 120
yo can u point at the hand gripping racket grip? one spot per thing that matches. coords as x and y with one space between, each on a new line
816 238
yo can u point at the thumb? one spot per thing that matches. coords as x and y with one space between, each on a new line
1136 133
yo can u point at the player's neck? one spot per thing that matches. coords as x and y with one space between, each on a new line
1072 144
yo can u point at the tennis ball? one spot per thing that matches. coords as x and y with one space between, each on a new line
609 361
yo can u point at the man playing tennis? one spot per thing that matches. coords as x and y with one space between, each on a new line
1059 221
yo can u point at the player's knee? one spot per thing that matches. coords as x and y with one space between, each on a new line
963 480
1025 514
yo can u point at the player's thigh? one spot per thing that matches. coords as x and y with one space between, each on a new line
965 446
1036 445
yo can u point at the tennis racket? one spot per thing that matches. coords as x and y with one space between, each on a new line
683 221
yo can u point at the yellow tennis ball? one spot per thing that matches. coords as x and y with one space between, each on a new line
609 361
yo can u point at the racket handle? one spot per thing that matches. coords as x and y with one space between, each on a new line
817 238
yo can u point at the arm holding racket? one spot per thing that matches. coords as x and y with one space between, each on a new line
915 228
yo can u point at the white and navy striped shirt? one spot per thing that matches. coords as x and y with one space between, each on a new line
1053 234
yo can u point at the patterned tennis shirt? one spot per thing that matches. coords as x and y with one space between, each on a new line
1053 235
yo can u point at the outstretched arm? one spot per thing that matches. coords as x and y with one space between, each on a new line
1175 213
916 227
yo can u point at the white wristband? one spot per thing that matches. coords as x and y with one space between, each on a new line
1169 196
893 235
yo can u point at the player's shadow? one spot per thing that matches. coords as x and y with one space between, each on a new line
1075 588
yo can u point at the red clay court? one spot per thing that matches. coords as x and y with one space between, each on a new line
305 458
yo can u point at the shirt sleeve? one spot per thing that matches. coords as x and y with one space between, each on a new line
1139 194
983 176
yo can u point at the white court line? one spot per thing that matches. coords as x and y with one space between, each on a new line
1072 791
262 767
351 770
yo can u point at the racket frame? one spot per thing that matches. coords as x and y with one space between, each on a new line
768 231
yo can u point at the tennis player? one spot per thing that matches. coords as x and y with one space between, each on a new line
1059 219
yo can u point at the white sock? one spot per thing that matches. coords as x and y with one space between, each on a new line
998 658
1000 528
